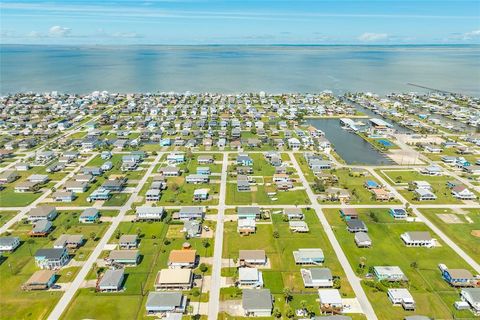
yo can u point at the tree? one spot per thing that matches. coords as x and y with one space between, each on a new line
205 243
93 236
276 234
276 313
287 294
203 267
289 313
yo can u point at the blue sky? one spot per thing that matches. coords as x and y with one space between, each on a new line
240 22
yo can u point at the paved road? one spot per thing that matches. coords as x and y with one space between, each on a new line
25 210
214 301
75 285
352 278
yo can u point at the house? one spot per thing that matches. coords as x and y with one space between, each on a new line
382 194
205 159
182 259
22 166
69 241
84 178
362 240
473 170
165 142
169 171
27 186
9 244
176 157
89 215
401 296
128 241
192 228
349 214
243 185
458 277
197 178
244 160
472 297
309 256
111 280
257 302
76 186
63 196
190 213
152 195
294 213
424 194
94 171
203 170
8 176
124 257
42 213
422 185
294 144
106 166
38 178
51 258
250 277
105 155
116 184
317 278
99 194
166 303
248 213
398 213
200 194
41 228
356 226
40 280
150 213
330 301
298 226
241 170
174 279
461 192
418 239
432 171
252 257
246 226
389 273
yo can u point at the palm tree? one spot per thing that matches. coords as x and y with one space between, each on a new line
287 294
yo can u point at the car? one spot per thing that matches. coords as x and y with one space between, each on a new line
206 228
56 287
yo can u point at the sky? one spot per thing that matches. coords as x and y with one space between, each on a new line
197 22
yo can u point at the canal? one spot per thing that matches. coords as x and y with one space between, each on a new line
352 148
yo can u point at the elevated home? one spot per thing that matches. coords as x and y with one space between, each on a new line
349 214
362 240
111 280
197 178
63 196
9 244
398 213
191 213
174 279
422 185
166 303
75 186
308 256
246 226
152 195
401 296
298 226
424 194
128 241
38 178
389 273
356 226
42 213
248 213
99 194
472 297
317 278
382 194
458 277
106 166
124 257
27 186
169 171
294 213
192 228
463 193
182 259
114 184
150 213
200 194
252 258
69 241
89 215
250 277
432 171
257 302
51 258
8 176
40 280
294 144
203 170
418 239
94 171
244 170
330 301
243 185
41 228
205 159
244 160
176 157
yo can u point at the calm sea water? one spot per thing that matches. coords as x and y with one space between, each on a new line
233 69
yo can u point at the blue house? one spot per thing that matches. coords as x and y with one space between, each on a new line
176 157
349 214
203 170
244 160
165 142
398 213
89 215
99 194
458 277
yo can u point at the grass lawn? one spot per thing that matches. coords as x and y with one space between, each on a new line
6 216
433 296
179 192
261 197
117 200
460 233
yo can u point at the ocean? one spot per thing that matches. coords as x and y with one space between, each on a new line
236 69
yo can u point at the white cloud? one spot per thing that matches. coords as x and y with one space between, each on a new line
372 37
58 31
475 34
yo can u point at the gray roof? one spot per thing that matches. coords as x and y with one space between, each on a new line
419 235
128 238
42 226
191 210
247 210
50 253
356 224
8 241
41 211
474 293
255 299
164 299
89 212
362 237
112 278
321 273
